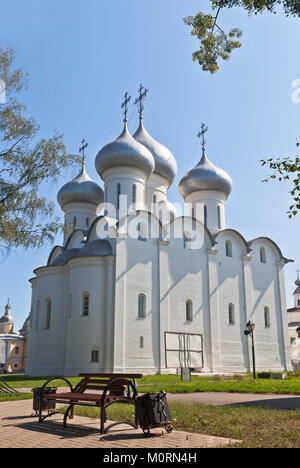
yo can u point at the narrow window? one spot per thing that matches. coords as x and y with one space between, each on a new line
70 306
298 302
87 221
154 198
95 355
231 317
134 193
141 341
17 349
74 222
262 253
37 315
48 313
85 304
141 231
189 310
205 215
118 196
267 317
228 247
193 213
186 240
219 217
142 306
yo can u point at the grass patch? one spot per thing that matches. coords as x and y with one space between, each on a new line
256 427
173 384
16 396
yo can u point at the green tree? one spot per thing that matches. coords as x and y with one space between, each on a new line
215 44
25 163
286 169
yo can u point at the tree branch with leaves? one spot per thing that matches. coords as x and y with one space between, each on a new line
25 163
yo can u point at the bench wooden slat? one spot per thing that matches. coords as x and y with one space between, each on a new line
90 397
114 376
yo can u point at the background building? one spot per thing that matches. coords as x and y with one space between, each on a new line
294 324
13 347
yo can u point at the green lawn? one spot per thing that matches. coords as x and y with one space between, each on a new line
173 384
255 426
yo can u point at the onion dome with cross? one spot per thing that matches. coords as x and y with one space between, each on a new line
80 199
82 188
165 163
125 151
206 189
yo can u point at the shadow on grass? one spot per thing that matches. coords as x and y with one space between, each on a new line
291 404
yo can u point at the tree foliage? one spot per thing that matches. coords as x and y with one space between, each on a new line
25 163
286 169
216 44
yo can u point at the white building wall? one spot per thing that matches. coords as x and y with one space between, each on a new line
85 332
233 352
270 342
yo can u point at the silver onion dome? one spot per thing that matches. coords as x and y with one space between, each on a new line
81 190
165 163
125 151
205 176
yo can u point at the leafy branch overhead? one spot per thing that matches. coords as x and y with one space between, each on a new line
24 166
286 169
215 43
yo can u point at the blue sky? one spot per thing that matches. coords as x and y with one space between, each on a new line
83 56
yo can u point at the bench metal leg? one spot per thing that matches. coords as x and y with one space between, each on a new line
69 409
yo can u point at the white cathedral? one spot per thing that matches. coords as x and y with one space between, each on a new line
136 287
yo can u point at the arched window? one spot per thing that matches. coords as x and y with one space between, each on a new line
228 247
205 215
118 195
267 317
262 253
85 304
154 198
189 310
141 341
134 193
231 317
48 314
219 217
142 306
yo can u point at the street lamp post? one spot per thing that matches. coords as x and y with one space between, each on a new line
249 331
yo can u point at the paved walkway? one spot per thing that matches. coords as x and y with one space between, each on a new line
19 430
286 402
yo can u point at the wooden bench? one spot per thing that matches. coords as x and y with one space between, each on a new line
112 388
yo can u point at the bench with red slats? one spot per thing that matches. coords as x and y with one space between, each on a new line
113 388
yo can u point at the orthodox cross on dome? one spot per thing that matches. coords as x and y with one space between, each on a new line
124 105
81 150
202 135
298 271
139 100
